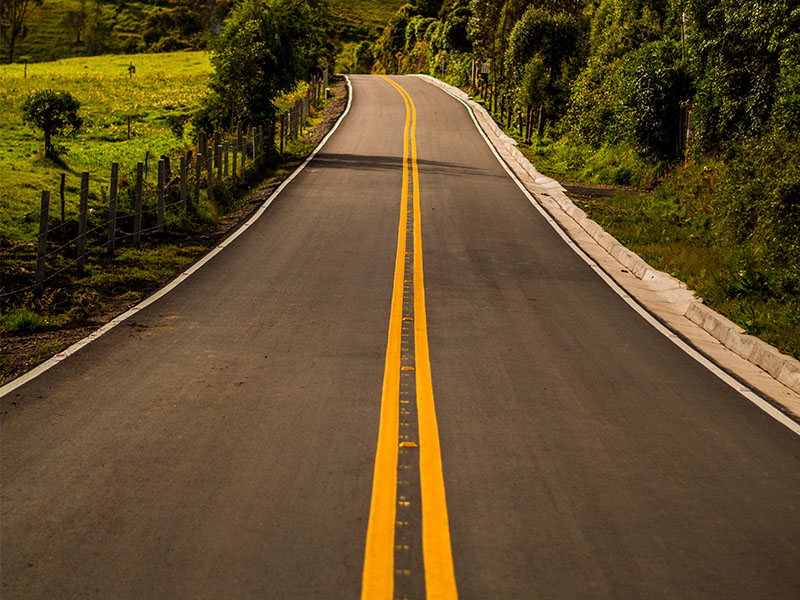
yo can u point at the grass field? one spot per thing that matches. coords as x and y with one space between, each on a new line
163 85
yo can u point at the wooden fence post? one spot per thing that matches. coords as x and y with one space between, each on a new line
218 161
210 172
162 175
235 144
137 215
81 250
184 174
112 208
44 215
225 148
283 130
253 133
243 148
63 210
198 173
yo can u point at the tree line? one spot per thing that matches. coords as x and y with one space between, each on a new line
605 70
714 81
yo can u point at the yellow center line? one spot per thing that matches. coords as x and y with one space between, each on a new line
378 577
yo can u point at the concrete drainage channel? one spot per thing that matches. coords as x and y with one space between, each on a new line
777 375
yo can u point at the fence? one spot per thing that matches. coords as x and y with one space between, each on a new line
214 163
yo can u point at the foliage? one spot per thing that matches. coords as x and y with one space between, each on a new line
735 89
759 202
180 25
393 39
654 86
23 319
55 113
364 59
265 48
455 31
541 45
621 26
596 112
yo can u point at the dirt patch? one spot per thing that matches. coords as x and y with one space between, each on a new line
596 191
78 307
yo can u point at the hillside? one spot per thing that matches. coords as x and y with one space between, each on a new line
369 13
67 28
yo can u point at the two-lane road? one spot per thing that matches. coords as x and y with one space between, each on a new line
400 349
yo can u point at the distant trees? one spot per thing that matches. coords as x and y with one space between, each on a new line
13 21
54 113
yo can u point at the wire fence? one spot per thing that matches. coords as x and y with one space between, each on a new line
141 207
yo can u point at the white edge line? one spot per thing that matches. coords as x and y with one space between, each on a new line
659 326
54 360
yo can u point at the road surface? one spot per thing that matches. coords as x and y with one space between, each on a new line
399 381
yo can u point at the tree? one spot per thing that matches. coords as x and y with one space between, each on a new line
265 48
393 38
550 40
55 113
734 51
363 59
456 26
654 84
13 18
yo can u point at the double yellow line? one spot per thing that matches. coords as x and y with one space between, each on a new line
378 575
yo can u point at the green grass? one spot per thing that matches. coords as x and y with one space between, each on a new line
673 230
163 85
25 320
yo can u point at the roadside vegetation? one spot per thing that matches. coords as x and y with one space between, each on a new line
695 103
131 108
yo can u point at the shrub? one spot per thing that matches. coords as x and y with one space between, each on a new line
55 113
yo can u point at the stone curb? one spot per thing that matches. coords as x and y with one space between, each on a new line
783 368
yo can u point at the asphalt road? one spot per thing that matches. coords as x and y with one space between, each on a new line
222 442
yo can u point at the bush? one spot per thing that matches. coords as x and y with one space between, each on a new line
55 113
759 202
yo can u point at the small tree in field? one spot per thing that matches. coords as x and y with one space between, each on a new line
55 113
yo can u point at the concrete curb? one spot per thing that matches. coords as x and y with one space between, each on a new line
550 193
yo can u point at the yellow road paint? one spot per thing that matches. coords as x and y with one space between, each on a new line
378 576
436 548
